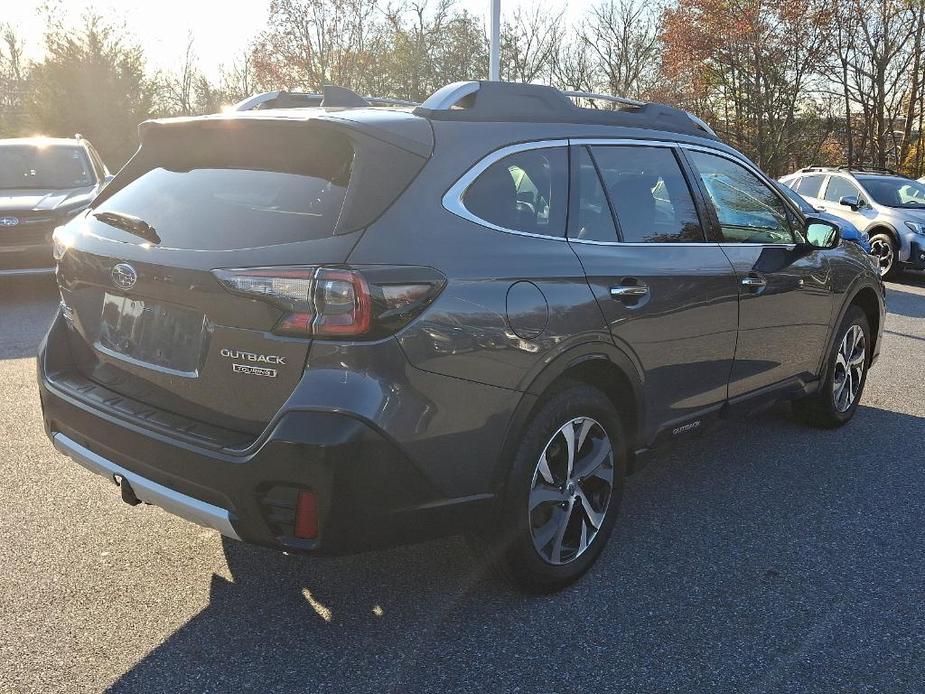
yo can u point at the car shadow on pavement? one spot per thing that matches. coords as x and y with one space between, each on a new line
753 557
903 303
21 300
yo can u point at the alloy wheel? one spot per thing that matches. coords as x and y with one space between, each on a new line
571 490
850 362
882 248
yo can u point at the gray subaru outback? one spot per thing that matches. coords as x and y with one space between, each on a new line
338 327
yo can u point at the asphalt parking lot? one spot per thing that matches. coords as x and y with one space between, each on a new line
763 557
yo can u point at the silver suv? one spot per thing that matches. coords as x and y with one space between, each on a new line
887 205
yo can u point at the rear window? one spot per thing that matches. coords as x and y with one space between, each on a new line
221 192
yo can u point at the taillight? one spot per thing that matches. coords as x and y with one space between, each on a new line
333 302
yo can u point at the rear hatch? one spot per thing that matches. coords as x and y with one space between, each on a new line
149 317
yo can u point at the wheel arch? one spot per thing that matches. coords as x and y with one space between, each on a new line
598 364
866 298
880 227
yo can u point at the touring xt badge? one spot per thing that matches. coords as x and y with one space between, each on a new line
254 358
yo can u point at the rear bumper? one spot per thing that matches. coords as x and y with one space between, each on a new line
370 494
148 491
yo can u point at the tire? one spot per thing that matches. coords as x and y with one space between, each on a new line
534 549
838 398
884 247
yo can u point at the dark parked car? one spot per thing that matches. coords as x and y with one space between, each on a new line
44 182
329 329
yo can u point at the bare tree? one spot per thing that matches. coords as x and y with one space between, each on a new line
12 81
179 88
530 42
310 43
622 36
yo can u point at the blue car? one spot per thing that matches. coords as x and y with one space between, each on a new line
849 232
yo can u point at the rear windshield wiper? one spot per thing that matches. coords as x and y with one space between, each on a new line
133 225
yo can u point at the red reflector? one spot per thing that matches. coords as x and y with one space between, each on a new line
306 516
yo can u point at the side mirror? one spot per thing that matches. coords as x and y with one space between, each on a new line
852 201
822 234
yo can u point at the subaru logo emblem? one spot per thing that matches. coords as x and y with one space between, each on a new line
124 276
9 221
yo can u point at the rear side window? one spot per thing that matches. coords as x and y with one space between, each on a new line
809 185
224 193
649 194
526 191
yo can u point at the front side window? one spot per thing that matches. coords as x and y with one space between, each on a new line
526 191
649 194
747 209
839 188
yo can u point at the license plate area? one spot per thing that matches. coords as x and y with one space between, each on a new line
154 335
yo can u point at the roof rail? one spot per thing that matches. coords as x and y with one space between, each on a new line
533 102
333 96
868 169
604 97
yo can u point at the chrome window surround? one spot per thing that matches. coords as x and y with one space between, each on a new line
453 198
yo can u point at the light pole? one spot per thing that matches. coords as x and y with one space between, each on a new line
494 60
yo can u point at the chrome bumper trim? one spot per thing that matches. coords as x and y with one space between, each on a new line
150 492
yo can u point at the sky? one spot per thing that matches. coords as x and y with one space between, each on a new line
220 28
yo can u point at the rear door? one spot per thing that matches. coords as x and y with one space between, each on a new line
149 318
785 290
667 292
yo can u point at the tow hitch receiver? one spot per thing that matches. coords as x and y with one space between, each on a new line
128 494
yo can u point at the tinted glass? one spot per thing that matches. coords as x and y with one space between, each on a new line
53 167
894 191
747 209
809 185
798 199
840 187
222 200
649 194
591 219
526 191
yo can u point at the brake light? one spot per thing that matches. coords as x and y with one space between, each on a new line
306 516
330 302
